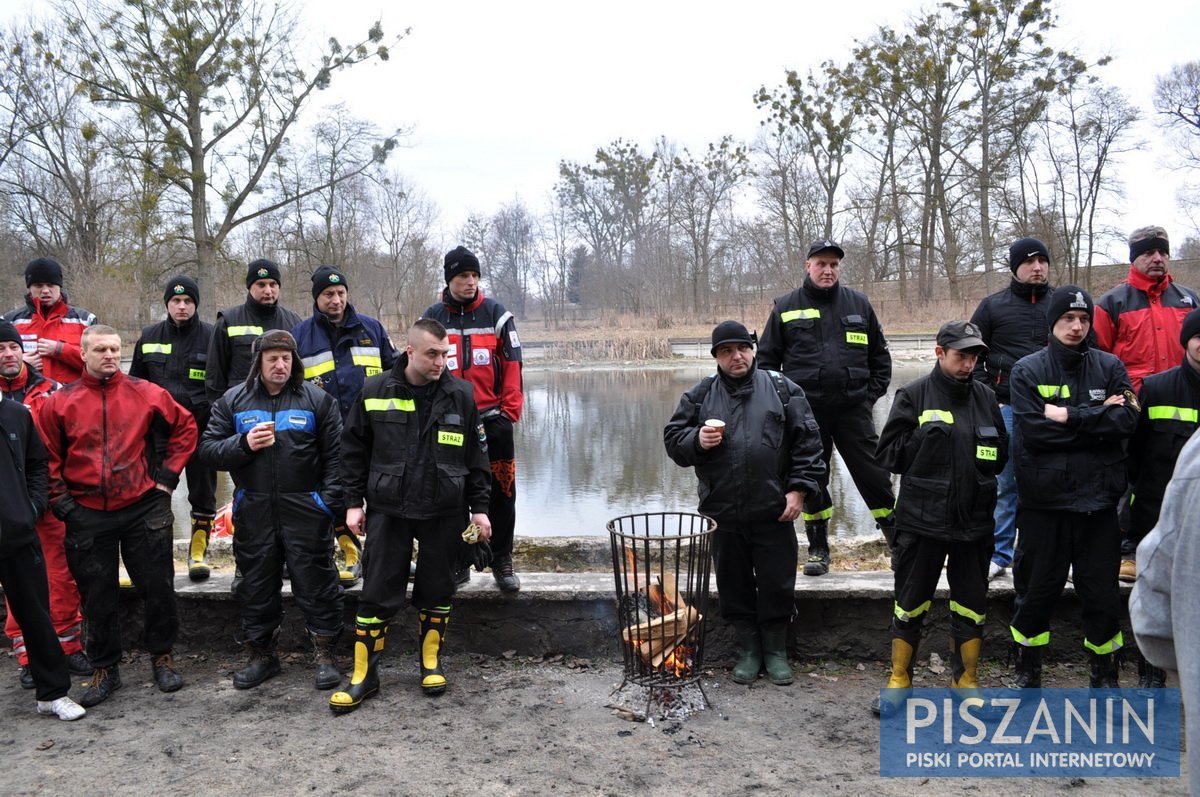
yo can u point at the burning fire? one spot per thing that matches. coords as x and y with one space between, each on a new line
660 640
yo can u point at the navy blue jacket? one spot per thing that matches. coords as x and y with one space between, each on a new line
338 359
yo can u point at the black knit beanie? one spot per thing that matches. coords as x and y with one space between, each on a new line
9 332
1024 249
325 276
458 260
1069 297
263 269
182 286
1189 330
45 270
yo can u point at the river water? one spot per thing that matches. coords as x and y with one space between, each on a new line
589 448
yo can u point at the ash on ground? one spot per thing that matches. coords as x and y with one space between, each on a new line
644 704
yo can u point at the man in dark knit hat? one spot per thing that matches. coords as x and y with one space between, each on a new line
173 354
229 355
485 351
1012 323
50 328
1140 321
754 443
280 439
1170 416
339 348
1073 410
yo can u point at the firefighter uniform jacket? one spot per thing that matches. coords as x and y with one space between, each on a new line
229 353
1012 323
946 439
300 472
61 322
1140 321
101 450
770 448
1170 414
1077 466
828 341
412 462
175 357
338 359
484 350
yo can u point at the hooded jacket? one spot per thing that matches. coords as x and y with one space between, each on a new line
828 341
303 465
409 468
768 450
98 433
1012 323
946 439
484 350
230 352
60 322
1139 320
1077 466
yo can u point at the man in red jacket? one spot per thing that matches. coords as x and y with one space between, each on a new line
1139 320
103 484
21 382
50 328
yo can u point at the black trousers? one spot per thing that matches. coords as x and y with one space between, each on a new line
139 534
23 577
201 479
919 566
292 528
502 505
387 555
756 573
852 430
1049 543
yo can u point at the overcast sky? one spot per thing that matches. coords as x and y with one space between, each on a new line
497 93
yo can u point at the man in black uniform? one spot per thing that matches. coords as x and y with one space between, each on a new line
1012 323
172 354
825 337
22 569
1170 415
415 449
754 474
945 437
230 353
1073 409
280 438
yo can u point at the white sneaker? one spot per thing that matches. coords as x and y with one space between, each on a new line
64 708
995 570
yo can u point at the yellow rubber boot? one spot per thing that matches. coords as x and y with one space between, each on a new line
198 567
350 569
369 639
900 681
432 633
964 664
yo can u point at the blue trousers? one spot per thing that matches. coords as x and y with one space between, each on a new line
1006 501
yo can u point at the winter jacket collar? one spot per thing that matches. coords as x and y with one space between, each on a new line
1027 290
1143 283
19 381
349 319
455 306
55 311
93 382
742 386
265 312
956 391
1068 357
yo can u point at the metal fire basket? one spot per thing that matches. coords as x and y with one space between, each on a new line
661 563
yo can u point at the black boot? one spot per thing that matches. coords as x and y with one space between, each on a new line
327 673
818 548
1103 668
432 632
263 664
775 653
1028 673
1149 676
364 681
198 567
502 572
105 681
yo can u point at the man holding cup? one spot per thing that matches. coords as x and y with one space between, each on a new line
756 448
280 439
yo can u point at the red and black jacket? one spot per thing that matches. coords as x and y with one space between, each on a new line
1140 320
60 322
28 387
484 350
98 433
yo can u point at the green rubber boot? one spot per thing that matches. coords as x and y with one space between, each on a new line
775 654
750 658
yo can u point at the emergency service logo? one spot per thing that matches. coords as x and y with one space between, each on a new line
1030 733
179 289
262 272
334 279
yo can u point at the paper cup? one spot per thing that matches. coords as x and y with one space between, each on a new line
719 425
